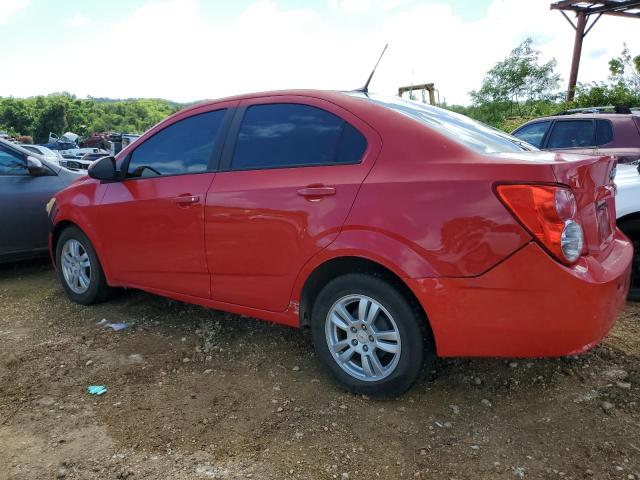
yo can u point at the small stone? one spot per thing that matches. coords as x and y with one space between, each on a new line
589 472
296 368
486 403
616 374
477 381
455 408
475 447
345 476
607 406
513 364
208 370
186 360
61 473
423 451
280 409
89 362
623 385
135 358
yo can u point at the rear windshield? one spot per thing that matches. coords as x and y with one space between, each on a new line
470 133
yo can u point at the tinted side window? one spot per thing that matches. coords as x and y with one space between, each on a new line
533 133
285 135
183 147
604 132
571 134
11 163
351 146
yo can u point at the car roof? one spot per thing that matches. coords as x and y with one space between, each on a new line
321 94
585 116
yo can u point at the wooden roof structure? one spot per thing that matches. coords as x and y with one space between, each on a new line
584 10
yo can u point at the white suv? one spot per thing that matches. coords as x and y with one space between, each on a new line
628 217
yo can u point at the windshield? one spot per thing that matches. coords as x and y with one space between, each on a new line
470 133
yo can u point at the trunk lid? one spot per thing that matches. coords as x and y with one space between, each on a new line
590 177
591 180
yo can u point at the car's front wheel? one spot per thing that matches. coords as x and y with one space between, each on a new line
370 336
79 269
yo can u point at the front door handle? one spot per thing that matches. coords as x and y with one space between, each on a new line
317 191
186 199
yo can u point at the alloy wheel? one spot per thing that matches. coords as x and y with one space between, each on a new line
76 266
363 338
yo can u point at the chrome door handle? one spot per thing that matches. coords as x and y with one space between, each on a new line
320 191
186 199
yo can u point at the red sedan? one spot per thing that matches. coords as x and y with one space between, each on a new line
397 231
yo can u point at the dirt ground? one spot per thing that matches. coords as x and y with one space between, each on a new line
194 393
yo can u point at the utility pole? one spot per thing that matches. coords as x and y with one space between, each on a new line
577 52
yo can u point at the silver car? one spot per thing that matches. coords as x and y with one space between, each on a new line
27 182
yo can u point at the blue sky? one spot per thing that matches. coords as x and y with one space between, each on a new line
192 49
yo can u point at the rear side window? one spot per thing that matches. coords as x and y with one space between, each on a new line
604 132
288 135
571 134
533 133
11 163
183 147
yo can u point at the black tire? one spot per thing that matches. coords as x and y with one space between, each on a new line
634 289
417 352
631 228
98 290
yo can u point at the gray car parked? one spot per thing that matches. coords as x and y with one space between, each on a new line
27 182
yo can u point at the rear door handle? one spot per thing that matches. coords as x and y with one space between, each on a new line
319 191
186 199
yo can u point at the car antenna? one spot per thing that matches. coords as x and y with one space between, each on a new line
365 89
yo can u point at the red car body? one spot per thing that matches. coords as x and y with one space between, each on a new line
420 205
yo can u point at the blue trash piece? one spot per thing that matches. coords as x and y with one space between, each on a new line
96 389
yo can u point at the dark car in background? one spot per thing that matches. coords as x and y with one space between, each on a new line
588 131
27 182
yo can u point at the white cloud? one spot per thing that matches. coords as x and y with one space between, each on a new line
171 49
78 20
8 8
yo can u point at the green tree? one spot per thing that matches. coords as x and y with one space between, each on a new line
626 69
52 119
516 81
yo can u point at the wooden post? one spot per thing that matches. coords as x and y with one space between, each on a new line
577 51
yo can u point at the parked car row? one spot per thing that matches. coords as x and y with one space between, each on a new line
396 231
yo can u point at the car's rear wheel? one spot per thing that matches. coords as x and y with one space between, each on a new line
370 336
634 289
79 269
631 228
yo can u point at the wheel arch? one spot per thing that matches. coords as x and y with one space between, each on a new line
630 225
62 225
341 265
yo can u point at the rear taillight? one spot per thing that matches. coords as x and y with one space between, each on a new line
549 213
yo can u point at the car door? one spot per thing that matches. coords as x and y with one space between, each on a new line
572 136
289 175
23 197
152 222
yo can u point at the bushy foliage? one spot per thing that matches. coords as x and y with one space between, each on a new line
519 89
59 113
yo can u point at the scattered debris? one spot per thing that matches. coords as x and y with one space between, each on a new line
96 389
117 326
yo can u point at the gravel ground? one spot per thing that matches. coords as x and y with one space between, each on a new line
195 393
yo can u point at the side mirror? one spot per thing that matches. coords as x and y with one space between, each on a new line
104 169
36 167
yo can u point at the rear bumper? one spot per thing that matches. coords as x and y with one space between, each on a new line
529 305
